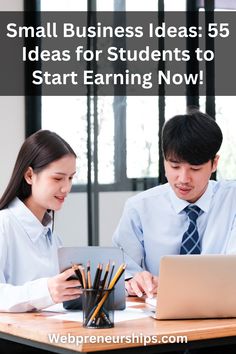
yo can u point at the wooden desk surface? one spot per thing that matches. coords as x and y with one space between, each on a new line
36 327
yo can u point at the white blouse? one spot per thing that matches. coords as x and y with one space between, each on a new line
28 256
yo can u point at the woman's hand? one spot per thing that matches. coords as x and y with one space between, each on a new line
63 290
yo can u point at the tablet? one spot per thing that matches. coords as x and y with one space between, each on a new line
95 254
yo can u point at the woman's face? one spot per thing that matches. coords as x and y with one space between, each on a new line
50 186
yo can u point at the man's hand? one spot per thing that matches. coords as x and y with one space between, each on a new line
62 290
142 283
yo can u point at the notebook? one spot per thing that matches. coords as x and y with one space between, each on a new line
196 286
95 254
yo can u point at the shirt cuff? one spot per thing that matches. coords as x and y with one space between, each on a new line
39 295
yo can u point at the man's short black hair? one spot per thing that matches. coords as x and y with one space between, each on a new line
194 138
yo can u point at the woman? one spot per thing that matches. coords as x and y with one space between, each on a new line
40 182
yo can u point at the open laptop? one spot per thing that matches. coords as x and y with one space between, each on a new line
196 286
95 254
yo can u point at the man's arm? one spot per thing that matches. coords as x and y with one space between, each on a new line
129 237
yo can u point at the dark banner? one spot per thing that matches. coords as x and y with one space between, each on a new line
117 53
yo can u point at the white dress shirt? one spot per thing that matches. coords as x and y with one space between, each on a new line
27 258
153 223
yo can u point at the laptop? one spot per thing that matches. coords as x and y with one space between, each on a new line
95 254
196 286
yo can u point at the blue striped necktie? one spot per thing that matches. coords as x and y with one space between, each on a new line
191 241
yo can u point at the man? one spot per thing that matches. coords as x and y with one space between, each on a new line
155 222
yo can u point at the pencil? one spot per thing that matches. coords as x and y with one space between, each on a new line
75 267
96 276
112 270
83 276
99 276
89 281
103 283
117 276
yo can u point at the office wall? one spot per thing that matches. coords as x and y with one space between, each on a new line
11 135
111 205
71 220
11 118
11 5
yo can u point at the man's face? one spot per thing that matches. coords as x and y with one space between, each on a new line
189 182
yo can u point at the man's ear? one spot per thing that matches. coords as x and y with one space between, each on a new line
215 163
28 175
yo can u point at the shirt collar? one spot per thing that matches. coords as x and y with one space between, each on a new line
203 203
32 226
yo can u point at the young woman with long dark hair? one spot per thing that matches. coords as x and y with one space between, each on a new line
40 182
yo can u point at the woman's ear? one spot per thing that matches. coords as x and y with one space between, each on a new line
28 175
215 163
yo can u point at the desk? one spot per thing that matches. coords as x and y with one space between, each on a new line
31 329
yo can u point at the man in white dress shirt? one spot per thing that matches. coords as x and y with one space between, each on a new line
154 221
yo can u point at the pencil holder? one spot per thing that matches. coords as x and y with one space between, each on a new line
98 308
